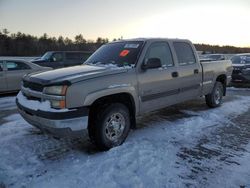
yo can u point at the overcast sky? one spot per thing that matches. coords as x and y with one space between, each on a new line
223 22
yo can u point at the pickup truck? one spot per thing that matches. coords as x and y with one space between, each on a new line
119 82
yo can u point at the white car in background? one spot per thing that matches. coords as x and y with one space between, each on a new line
12 71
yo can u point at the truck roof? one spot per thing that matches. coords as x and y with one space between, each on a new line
152 40
71 51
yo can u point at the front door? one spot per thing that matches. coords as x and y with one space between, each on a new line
158 87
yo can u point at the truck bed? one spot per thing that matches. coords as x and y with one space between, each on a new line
210 71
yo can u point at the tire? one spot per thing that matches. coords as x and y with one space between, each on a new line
214 99
110 127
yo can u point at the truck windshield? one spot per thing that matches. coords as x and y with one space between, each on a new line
244 59
46 56
118 54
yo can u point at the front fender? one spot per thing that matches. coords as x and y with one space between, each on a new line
111 90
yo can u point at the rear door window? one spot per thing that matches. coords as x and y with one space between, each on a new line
13 66
185 53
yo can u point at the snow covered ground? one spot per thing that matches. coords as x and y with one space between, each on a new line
187 145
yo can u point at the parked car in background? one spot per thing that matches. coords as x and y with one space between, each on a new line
12 71
60 59
241 69
212 57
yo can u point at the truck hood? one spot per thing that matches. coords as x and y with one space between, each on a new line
72 74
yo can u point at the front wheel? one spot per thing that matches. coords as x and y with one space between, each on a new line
214 99
111 126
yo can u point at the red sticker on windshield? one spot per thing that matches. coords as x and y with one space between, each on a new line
124 53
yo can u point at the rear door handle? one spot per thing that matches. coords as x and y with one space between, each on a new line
196 71
175 74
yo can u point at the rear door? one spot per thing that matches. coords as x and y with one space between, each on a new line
15 71
3 83
189 70
158 87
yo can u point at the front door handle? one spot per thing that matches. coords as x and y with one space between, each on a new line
196 71
175 74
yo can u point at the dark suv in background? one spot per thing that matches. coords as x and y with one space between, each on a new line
241 69
59 59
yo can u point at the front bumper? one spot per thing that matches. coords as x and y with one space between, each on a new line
64 124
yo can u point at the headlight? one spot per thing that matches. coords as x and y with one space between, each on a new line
57 104
55 90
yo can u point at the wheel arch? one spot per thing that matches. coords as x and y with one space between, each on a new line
123 97
223 79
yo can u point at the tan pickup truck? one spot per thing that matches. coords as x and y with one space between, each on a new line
119 82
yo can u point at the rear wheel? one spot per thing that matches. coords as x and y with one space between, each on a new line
214 99
110 127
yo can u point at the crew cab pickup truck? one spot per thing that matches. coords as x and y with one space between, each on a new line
119 82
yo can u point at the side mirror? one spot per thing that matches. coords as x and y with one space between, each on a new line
151 63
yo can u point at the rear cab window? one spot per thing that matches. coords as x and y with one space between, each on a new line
184 53
13 66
